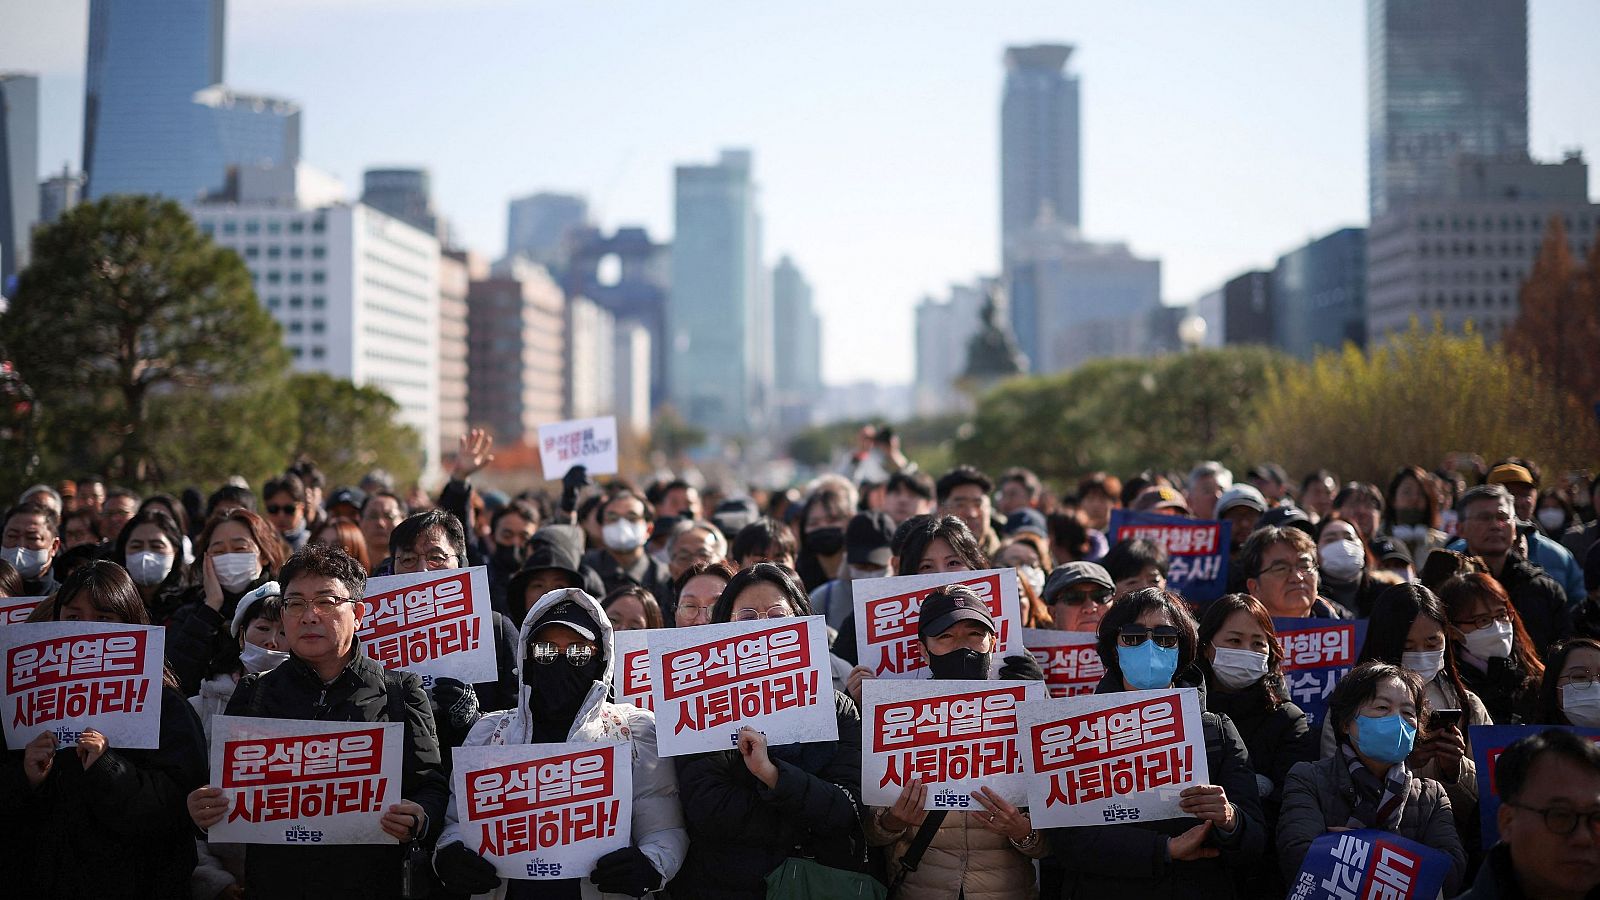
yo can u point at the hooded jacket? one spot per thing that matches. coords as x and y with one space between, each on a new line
553 547
658 829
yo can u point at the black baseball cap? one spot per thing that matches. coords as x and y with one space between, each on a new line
867 539
572 615
1026 519
1078 572
1388 550
949 605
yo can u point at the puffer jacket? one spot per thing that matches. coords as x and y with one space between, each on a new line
199 641
1440 694
964 860
212 701
1320 795
658 829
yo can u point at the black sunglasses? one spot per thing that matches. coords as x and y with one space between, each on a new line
1079 598
1133 635
275 509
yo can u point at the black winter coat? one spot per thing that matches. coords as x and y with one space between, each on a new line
198 639
118 829
1508 692
359 694
1539 600
740 830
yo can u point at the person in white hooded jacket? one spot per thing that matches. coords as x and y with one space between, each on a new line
564 699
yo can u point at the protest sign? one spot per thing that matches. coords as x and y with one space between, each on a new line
591 443
1316 654
65 677
1367 864
953 736
711 680
1069 659
633 667
1197 549
887 614
436 624
1486 743
1110 758
540 811
296 781
15 610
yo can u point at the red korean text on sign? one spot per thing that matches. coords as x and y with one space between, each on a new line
1177 540
892 623
1070 671
939 739
293 778
1113 752
636 679
740 677
1318 648
424 622
77 676
544 803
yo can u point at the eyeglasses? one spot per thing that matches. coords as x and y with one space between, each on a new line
1485 620
276 510
546 653
694 613
1281 569
1489 518
1165 636
1079 598
776 611
1563 822
322 606
434 560
1583 679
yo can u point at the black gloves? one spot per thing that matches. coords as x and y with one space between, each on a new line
576 479
455 710
459 869
625 871
1021 668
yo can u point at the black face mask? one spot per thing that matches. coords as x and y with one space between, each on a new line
510 559
1411 516
825 541
965 663
556 691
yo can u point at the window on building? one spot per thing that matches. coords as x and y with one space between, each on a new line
252 252
318 301
274 302
274 252
252 227
207 229
318 277
318 326
297 277
297 252
296 327
297 227
274 227
319 225
296 301
230 227
318 252
318 352
274 277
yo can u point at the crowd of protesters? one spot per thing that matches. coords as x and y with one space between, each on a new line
1473 582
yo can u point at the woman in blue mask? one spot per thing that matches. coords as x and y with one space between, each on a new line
1148 641
1376 712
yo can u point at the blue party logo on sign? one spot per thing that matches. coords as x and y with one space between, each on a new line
1369 865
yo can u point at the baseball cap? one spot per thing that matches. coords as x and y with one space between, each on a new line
1244 495
1389 550
248 601
1287 516
867 539
572 615
1161 497
350 495
1068 574
1510 473
949 605
1026 519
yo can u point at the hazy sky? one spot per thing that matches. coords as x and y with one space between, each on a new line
1216 135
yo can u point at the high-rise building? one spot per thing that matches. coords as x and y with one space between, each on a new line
157 118
591 348
1248 309
457 269
719 319
1444 78
19 171
797 354
405 194
540 227
944 328
632 374
629 274
59 193
1039 146
1319 294
517 356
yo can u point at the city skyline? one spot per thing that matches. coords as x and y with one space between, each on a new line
910 202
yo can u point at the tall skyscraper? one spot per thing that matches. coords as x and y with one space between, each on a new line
517 357
719 318
157 118
1319 294
943 330
59 193
1039 154
797 348
1444 78
19 170
629 274
540 227
406 194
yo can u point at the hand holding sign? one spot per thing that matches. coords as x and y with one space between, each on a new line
1208 802
207 806
1003 818
91 746
1191 844
403 820
907 811
39 757
753 747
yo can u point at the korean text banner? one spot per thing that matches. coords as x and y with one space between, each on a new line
1197 548
887 612
1367 864
632 680
1069 659
1112 758
1487 742
541 811
297 781
436 624
65 677
1316 654
953 736
711 680
15 610
591 443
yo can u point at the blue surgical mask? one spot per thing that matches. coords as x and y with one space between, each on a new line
1148 667
1387 739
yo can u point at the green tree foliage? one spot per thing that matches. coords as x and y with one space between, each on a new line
350 430
127 305
1424 394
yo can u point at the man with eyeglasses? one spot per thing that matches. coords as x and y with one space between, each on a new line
1280 570
327 677
1549 786
567 659
1488 524
1079 593
626 522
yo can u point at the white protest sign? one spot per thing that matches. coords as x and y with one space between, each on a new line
887 615
953 736
1069 659
65 677
632 679
591 443
15 610
772 675
541 811
436 624
296 781
1111 758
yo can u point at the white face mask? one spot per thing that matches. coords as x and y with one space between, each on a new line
1493 642
147 568
1238 669
258 659
235 571
1581 703
28 563
623 535
1426 663
1552 518
1409 533
1341 559
1034 576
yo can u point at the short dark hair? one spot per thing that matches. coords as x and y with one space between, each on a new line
1128 558
1316 475
1516 761
1125 610
717 569
326 561
1361 685
1068 533
287 483
416 527
1211 622
1024 477
1550 710
305 468
34 508
916 482
652 609
770 573
405 509
760 537
1100 483
1495 492
1359 489
118 493
109 590
231 494
959 476
628 493
516 508
922 531
1255 546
